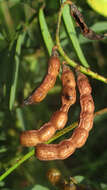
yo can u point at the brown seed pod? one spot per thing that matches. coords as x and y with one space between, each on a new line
58 119
88 33
56 179
65 148
34 137
68 91
55 151
40 93
54 175
69 186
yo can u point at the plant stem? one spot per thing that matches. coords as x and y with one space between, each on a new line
19 162
101 112
68 60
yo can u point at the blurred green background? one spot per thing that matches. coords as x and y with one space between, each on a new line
23 64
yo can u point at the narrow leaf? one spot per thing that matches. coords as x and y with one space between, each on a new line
45 32
15 70
72 35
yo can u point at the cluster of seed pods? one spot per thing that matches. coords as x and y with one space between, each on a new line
65 148
58 120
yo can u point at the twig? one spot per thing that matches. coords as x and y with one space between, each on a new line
68 60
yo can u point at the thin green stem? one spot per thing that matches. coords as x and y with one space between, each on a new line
101 112
31 153
68 60
62 132
19 162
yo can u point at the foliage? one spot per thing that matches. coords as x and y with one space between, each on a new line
100 7
27 35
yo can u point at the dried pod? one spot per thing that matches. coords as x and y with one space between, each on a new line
58 119
65 148
68 91
67 77
70 187
54 175
88 33
40 93
79 137
34 137
55 151
56 179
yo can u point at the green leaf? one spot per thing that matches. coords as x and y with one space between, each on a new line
99 26
79 179
15 70
45 32
72 35
39 187
103 186
99 6
21 119
36 187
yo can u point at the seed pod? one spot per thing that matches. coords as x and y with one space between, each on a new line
69 186
58 119
56 179
68 91
65 148
88 33
40 93
55 151
34 137
54 175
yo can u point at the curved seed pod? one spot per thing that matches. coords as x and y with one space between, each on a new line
88 33
58 119
40 93
65 148
34 137
59 151
79 137
67 77
86 102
